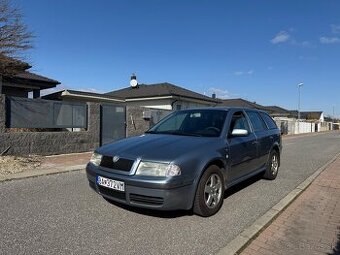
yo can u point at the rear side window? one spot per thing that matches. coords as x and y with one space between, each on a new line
256 121
269 121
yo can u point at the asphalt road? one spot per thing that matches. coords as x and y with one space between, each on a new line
60 214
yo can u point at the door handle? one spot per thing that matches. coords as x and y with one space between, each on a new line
226 153
255 142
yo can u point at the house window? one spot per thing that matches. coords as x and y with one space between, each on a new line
178 107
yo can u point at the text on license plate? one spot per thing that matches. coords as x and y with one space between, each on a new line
111 184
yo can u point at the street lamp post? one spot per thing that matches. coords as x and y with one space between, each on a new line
299 86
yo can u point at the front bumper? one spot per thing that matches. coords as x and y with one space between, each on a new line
141 192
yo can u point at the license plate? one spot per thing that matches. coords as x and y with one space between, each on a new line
111 184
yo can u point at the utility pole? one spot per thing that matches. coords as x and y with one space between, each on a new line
333 118
299 86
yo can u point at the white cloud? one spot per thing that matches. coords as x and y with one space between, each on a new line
220 93
249 72
281 37
335 29
308 58
305 43
93 90
329 40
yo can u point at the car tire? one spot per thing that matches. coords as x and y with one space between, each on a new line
273 164
210 192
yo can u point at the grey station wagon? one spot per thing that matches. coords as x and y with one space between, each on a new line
188 159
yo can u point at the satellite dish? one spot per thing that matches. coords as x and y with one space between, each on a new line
133 81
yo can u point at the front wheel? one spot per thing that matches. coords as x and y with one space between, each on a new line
209 193
272 166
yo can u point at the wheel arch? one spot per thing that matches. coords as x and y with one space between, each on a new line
217 161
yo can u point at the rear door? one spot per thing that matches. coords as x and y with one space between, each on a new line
242 150
263 137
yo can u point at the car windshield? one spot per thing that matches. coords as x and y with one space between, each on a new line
192 123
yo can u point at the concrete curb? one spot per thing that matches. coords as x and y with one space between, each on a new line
309 134
39 172
245 237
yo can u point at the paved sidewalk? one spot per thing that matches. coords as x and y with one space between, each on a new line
65 160
53 165
310 225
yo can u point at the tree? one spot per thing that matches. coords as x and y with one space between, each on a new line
15 38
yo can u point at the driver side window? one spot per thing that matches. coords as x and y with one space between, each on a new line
239 121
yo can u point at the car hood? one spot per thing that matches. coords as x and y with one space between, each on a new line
158 147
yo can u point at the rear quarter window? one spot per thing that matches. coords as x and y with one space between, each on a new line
256 121
268 120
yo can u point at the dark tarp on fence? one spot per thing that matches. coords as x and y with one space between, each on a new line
39 113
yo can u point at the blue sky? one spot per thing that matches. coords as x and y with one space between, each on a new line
257 50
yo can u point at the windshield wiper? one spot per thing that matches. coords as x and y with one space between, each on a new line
151 132
184 133
172 132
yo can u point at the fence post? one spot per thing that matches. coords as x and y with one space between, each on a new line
0 84
93 122
2 113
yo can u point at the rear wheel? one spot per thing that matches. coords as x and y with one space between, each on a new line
209 193
272 166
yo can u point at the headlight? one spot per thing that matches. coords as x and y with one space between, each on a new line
96 159
157 169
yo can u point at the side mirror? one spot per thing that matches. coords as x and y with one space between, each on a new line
239 132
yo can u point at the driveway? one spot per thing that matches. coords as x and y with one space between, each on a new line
60 214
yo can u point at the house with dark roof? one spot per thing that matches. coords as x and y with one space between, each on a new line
165 96
276 111
22 82
239 102
309 115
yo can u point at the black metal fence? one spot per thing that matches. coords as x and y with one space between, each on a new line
39 113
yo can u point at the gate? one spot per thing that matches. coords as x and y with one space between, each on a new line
113 125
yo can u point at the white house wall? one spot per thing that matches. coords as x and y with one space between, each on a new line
187 104
156 104
166 104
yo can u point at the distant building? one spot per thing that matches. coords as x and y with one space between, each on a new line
239 102
23 82
309 115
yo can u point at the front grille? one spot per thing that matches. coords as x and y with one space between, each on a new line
112 193
122 164
146 199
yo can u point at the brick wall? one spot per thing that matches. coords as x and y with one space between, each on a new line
2 114
135 123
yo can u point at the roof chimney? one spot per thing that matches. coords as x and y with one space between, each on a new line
213 95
